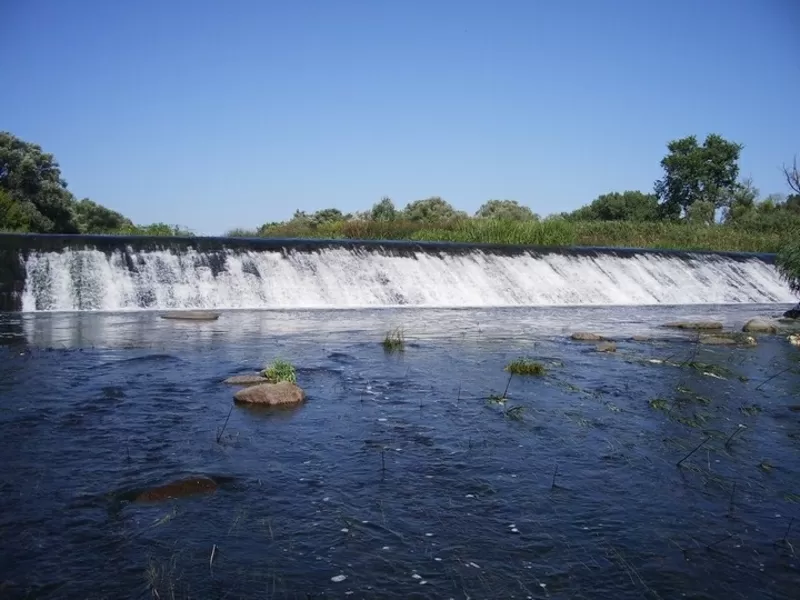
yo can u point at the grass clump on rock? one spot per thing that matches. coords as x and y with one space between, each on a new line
525 366
280 370
394 341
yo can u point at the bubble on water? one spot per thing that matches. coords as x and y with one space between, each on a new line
338 578
416 576
345 530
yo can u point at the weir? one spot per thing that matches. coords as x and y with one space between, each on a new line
111 273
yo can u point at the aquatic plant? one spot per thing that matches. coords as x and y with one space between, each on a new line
394 341
280 370
525 366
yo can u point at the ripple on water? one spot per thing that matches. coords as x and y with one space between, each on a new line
396 478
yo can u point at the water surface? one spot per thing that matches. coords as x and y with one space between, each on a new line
398 473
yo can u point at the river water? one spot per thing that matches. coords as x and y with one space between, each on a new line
398 478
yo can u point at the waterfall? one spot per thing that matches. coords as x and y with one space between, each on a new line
349 275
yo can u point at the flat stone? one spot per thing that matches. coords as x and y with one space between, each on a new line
606 347
191 315
253 379
696 325
583 336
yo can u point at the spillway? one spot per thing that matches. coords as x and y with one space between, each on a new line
84 273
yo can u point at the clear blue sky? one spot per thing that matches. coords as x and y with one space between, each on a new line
216 114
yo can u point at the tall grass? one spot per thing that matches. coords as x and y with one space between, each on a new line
555 232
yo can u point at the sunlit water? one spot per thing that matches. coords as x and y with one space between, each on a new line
397 473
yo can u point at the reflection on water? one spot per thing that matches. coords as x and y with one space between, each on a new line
146 329
397 478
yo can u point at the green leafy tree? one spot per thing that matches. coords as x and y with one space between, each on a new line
615 206
506 210
431 210
694 173
383 210
327 215
742 202
788 263
32 179
12 215
701 212
95 218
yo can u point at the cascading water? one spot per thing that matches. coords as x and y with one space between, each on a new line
352 276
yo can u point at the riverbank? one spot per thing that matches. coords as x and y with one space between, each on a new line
664 235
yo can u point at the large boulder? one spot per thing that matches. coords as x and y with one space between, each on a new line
696 325
793 313
760 325
584 336
271 394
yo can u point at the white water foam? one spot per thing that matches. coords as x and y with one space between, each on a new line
346 278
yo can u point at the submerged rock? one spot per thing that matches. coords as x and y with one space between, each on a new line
271 394
642 338
178 489
760 325
794 339
696 325
191 315
606 347
583 336
727 339
254 379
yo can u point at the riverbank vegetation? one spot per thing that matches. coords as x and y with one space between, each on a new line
700 203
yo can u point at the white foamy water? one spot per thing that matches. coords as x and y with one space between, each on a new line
346 278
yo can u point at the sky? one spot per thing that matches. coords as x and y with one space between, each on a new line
215 115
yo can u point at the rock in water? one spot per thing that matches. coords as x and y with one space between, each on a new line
727 339
759 325
697 325
793 313
583 336
271 394
178 489
254 379
191 315
607 347
794 339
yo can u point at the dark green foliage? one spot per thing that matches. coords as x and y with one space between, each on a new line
788 262
13 217
383 210
625 206
694 173
431 210
95 218
32 179
506 210
526 366
394 341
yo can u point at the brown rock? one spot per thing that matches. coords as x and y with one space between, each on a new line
607 347
759 325
697 325
583 336
271 394
253 379
178 489
642 338
191 315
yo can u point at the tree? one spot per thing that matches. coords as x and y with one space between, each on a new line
327 215
95 218
788 263
694 173
32 179
12 216
792 176
741 202
431 210
506 210
383 210
629 205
